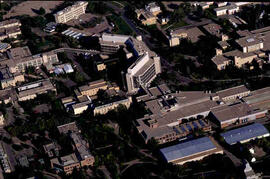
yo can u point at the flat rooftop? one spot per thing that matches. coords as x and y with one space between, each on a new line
232 91
185 151
245 133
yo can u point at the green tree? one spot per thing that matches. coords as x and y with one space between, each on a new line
42 11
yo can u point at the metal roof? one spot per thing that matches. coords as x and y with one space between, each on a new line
244 133
188 148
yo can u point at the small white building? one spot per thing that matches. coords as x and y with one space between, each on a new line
68 68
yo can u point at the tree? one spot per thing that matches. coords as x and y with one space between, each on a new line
42 11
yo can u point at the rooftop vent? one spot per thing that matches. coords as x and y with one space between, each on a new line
250 40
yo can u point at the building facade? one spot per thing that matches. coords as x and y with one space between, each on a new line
72 12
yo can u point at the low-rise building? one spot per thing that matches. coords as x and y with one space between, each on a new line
239 113
66 128
245 134
213 29
232 94
191 33
66 163
105 108
148 16
31 90
93 87
192 150
227 10
52 149
4 160
71 12
8 79
10 29
259 99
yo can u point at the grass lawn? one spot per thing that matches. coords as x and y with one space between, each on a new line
174 25
121 26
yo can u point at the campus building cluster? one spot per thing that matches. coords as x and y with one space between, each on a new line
148 15
175 115
10 29
146 66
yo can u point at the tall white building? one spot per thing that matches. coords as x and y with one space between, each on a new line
71 12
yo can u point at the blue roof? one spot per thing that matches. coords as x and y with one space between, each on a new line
244 133
188 148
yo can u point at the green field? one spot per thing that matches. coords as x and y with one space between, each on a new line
121 26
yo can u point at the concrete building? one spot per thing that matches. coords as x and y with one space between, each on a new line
51 149
71 12
18 59
147 65
259 99
235 114
230 95
82 152
8 79
105 108
168 111
10 29
93 87
66 128
192 150
31 90
4 47
4 160
142 72
79 108
245 134
226 10
66 163
191 33
148 16
213 29
252 45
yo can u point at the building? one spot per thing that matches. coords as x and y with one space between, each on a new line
75 33
79 108
191 33
213 29
153 8
146 66
232 94
226 10
259 99
8 79
2 119
252 45
31 90
148 16
66 163
4 47
83 154
142 72
51 149
10 29
173 115
105 108
192 150
66 128
93 87
239 113
4 159
20 58
71 12
245 134
249 173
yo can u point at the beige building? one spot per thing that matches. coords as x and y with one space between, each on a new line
72 12
8 79
93 87
31 90
80 107
253 45
232 94
103 109
10 29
